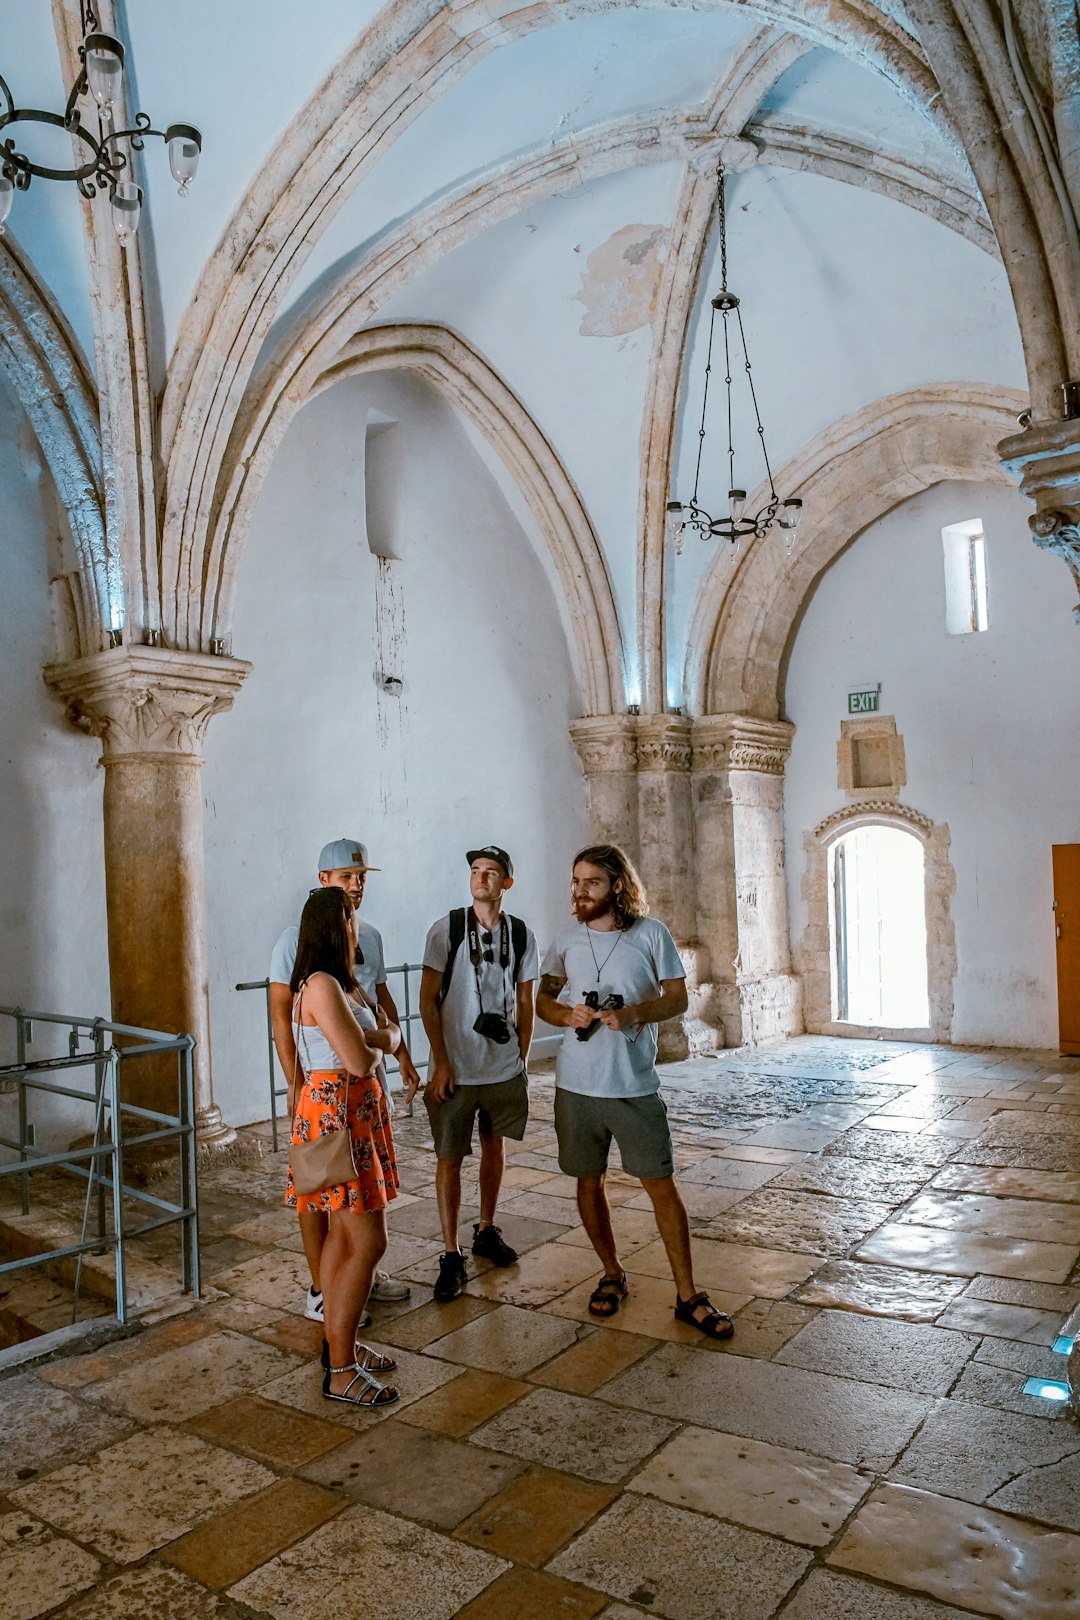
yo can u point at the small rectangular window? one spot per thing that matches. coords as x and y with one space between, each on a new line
964 548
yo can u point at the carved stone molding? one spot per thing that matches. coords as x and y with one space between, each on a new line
871 763
875 810
1045 459
606 743
740 742
663 743
147 700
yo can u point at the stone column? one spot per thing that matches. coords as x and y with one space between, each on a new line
1045 459
607 747
666 857
738 777
151 706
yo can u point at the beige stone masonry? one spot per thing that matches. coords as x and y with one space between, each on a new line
1045 457
870 759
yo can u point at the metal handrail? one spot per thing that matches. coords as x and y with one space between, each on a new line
406 1019
103 1171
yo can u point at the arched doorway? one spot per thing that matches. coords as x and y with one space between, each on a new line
878 929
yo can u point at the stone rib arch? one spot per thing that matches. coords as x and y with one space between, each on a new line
467 380
850 475
50 377
407 58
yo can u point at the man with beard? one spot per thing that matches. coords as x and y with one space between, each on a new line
343 864
476 1000
609 978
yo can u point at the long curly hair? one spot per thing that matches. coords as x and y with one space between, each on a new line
629 900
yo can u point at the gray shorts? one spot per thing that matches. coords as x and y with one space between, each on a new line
586 1125
503 1108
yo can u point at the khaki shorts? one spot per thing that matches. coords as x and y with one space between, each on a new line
503 1108
586 1125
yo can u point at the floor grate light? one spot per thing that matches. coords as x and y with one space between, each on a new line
1047 1389
1063 1345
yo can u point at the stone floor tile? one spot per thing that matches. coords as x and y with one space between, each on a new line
681 1565
1058 1186
424 1324
266 1228
784 1406
292 1333
634 1228
571 1433
239 1540
705 1200
143 1492
153 1592
988 1385
957 1129
964 1254
903 1355
420 1218
764 1326
42 1427
1004 1217
469 1399
538 1277
244 1315
75 1372
842 1597
759 1154
393 1569
508 1340
971 1451
1051 1494
416 1473
540 1207
592 1361
982 1560
529 1594
911 1123
38 1568
276 1278
649 1308
1014 1291
405 1253
720 1171
785 1493
268 1431
915 1296
806 1223
416 1376
1004 1321
842 1177
524 1177
897 1147
740 1268
535 1516
188 1380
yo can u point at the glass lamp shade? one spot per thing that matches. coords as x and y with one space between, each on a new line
7 197
792 512
104 57
736 504
126 208
185 145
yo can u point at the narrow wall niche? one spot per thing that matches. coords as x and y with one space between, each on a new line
384 526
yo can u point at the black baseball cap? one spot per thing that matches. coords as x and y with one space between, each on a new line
493 853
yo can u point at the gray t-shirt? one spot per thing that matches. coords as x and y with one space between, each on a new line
612 1062
370 972
475 1060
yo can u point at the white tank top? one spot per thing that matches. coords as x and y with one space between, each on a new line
315 1051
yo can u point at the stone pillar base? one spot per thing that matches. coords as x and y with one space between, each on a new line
212 1133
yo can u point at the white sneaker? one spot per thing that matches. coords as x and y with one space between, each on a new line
386 1288
313 1306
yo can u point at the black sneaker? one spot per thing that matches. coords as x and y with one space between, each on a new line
487 1244
451 1278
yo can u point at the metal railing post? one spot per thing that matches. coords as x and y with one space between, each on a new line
189 1172
99 1087
270 1058
116 1133
20 1057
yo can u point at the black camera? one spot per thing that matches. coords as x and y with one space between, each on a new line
493 1027
591 999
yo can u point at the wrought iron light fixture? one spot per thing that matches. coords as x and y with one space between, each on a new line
737 523
107 165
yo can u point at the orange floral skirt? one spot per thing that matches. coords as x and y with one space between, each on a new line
324 1095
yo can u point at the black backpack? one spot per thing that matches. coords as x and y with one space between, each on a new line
518 939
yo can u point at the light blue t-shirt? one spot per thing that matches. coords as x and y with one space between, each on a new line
475 1060
370 972
630 963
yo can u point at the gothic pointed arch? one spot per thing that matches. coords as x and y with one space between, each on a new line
850 475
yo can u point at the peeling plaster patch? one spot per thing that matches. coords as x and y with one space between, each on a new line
621 281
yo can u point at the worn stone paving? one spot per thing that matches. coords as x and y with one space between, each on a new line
896 1231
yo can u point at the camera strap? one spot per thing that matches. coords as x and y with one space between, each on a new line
472 926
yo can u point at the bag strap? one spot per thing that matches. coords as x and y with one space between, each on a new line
519 938
457 935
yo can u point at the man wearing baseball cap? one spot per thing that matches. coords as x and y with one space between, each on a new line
476 1000
343 864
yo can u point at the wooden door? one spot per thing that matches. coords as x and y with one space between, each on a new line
1067 921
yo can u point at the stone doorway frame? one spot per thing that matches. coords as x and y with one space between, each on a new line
813 957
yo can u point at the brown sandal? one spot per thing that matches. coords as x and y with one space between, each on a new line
699 1312
608 1295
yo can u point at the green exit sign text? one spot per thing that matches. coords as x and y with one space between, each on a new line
865 702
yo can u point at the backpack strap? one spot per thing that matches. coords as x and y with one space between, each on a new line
519 938
457 935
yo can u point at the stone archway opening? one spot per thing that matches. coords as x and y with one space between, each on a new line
877 925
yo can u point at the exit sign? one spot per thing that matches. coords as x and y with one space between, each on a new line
864 701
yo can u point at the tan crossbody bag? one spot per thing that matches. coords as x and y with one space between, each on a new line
328 1160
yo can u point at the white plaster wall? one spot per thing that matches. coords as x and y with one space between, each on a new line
52 889
989 723
476 750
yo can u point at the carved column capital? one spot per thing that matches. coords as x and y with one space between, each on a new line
663 742
740 742
1045 459
145 701
606 743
